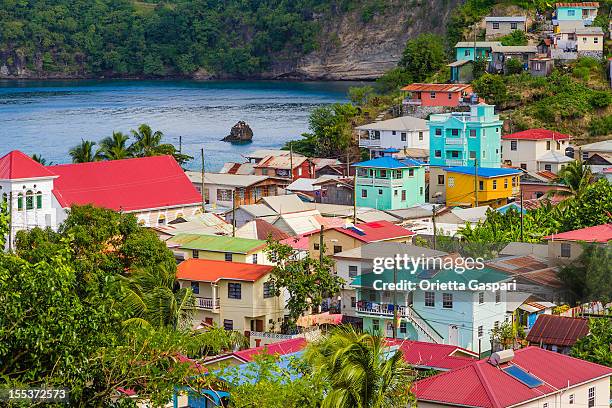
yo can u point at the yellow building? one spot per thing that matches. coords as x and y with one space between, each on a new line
495 186
340 239
233 295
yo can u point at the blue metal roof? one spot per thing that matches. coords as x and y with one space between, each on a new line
391 150
483 171
389 163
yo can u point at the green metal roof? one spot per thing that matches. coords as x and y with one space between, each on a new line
485 275
217 243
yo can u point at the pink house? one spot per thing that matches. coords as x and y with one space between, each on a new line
438 94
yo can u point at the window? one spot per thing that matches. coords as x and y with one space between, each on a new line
548 145
466 53
524 166
591 402
395 192
447 300
403 328
403 195
513 26
571 13
438 153
513 145
454 154
505 183
410 172
441 179
353 301
455 132
364 193
375 325
316 246
337 248
398 174
228 256
480 331
380 192
39 200
254 258
432 95
484 154
496 325
268 290
29 200
438 132
420 135
383 174
352 271
495 26
264 172
234 290
571 399
195 288
421 190
228 324
451 182
595 40
480 298
481 185
548 167
430 299
584 40
566 250
393 132
224 195
472 132
494 184
195 253
403 136
472 154
558 146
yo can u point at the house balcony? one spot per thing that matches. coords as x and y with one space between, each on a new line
381 309
379 182
369 142
454 141
413 102
205 303
455 162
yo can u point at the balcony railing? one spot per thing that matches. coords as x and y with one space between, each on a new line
455 162
369 142
416 102
382 309
380 182
455 140
207 303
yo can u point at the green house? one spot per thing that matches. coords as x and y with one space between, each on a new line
387 183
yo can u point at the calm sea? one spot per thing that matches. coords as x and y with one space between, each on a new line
49 117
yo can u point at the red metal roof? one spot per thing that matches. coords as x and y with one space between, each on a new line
583 4
537 134
281 348
17 165
124 185
375 231
264 229
481 384
299 242
206 270
431 355
417 87
558 330
598 233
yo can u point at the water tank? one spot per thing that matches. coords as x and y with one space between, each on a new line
501 357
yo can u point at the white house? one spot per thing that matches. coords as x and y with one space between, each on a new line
536 150
405 132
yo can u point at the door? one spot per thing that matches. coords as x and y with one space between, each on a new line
453 335
259 325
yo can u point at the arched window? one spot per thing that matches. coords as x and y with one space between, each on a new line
38 199
161 220
29 200
20 201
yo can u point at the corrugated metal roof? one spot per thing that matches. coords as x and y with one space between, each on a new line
558 330
216 243
418 87
477 44
587 4
401 123
506 19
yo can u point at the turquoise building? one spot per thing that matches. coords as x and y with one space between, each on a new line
460 138
585 12
387 183
470 51
460 317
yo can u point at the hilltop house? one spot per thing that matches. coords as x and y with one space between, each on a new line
503 25
462 139
154 189
454 316
526 378
218 247
473 50
536 150
447 95
387 183
574 15
398 133
501 54
232 295
496 186
578 42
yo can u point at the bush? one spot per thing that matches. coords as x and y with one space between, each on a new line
423 56
492 88
601 126
600 99
514 66
516 37
392 80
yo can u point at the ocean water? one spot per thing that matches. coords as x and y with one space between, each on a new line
50 117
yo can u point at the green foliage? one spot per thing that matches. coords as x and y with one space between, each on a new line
503 335
514 66
359 95
576 176
601 126
307 280
359 372
394 79
4 222
423 56
600 99
331 131
516 37
587 67
85 152
492 88
464 16
596 346
592 207
588 277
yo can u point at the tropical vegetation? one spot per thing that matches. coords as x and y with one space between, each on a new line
596 346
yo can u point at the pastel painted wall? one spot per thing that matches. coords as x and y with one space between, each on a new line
467 53
386 189
460 189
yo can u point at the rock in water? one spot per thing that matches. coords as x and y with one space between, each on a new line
241 133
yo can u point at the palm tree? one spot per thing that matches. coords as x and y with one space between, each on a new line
38 158
147 142
361 370
576 176
151 297
84 152
115 147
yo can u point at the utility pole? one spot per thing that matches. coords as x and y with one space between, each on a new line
10 209
180 144
348 166
433 220
355 197
521 190
395 302
321 245
291 161
233 212
202 185
476 182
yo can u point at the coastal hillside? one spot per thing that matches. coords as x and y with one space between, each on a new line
304 39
